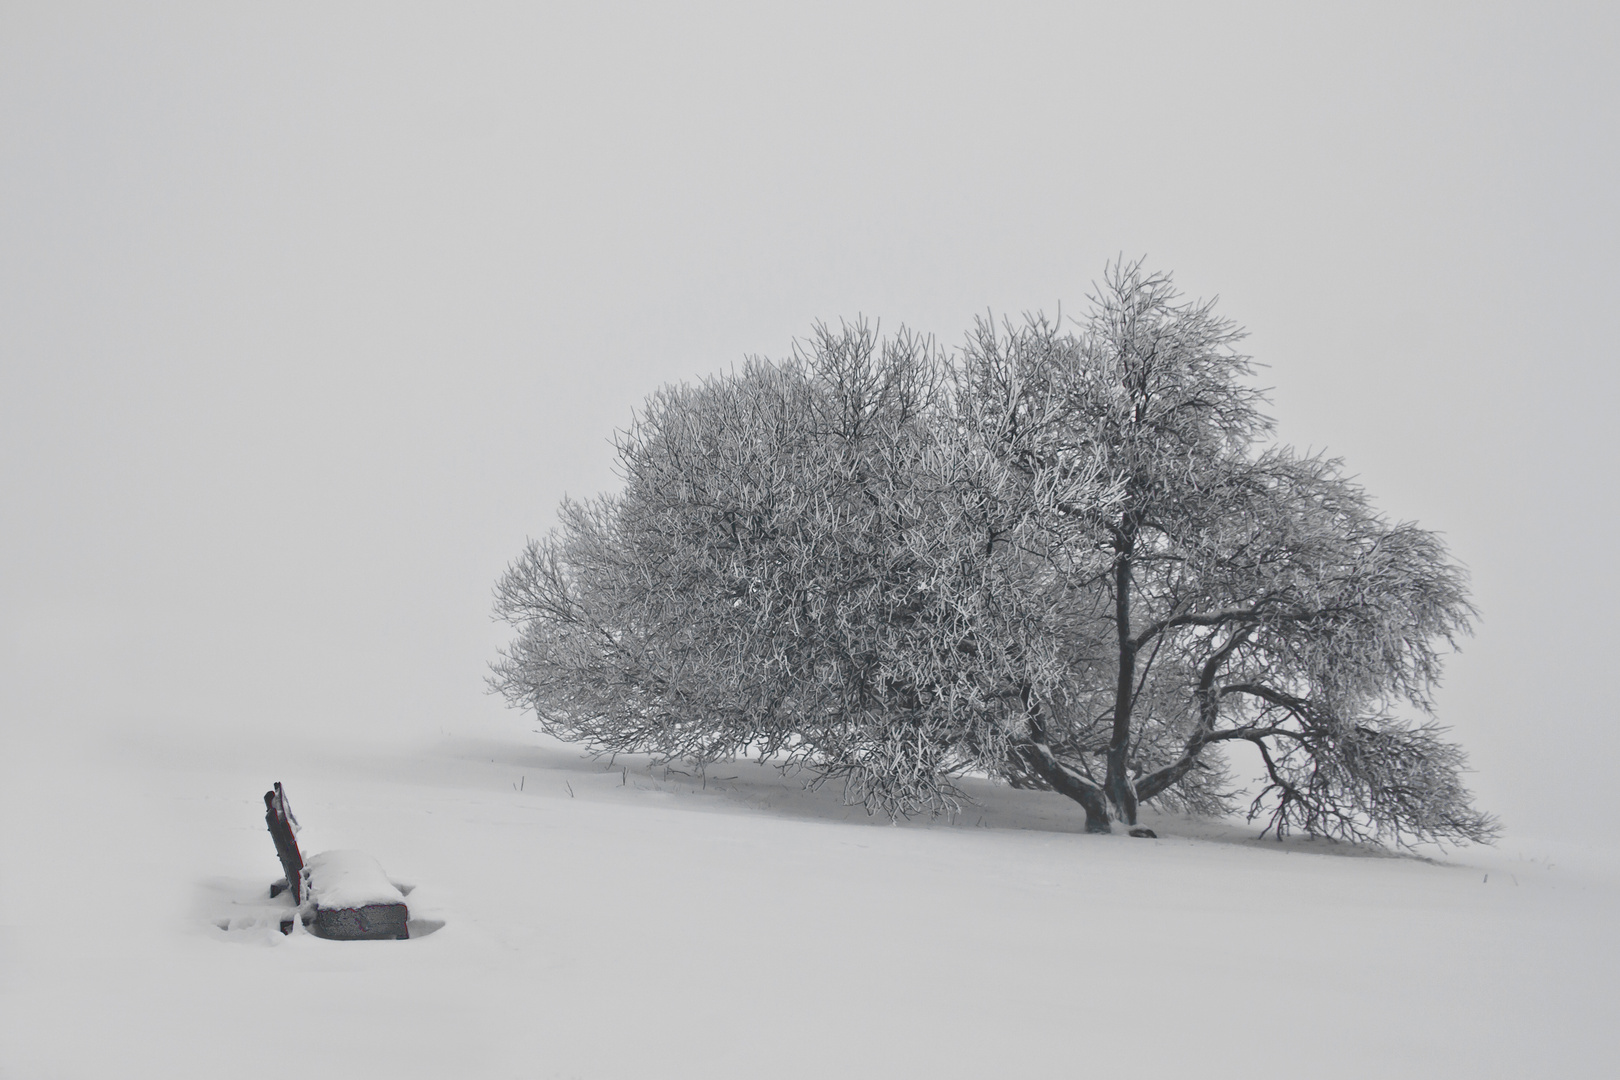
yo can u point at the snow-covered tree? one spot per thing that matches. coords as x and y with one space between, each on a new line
1252 595
797 566
1067 557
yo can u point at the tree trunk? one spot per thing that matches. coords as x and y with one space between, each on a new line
1064 780
1117 785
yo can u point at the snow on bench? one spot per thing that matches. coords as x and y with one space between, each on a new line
343 895
353 898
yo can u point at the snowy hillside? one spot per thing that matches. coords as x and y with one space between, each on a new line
615 922
312 314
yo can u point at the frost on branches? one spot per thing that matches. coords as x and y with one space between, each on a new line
1071 558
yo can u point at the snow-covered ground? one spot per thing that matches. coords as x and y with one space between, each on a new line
617 922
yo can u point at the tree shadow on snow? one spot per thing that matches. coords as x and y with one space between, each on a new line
542 769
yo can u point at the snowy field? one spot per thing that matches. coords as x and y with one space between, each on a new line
615 922
311 313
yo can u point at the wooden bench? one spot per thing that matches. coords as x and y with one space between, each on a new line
342 895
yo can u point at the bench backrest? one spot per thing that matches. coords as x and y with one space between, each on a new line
279 816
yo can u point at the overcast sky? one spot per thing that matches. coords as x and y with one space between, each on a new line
310 313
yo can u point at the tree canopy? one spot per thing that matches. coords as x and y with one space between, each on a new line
1069 557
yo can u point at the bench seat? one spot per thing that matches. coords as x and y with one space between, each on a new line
353 898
